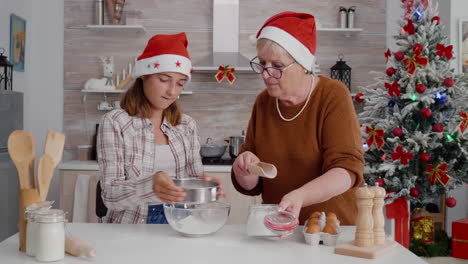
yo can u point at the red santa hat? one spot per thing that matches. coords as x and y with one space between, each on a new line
164 53
296 33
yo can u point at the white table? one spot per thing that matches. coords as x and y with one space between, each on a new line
144 244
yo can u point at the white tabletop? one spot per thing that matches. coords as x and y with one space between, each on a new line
142 244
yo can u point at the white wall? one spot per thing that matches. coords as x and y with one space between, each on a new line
42 80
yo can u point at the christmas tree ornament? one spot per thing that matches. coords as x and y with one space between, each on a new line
409 28
448 137
391 71
413 97
438 173
391 104
437 127
380 182
383 158
397 132
225 71
451 202
421 226
393 89
359 98
401 155
424 157
414 192
444 51
375 136
440 98
448 82
464 122
399 55
411 63
420 88
436 19
426 113
388 54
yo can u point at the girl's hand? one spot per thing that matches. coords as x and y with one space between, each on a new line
166 190
221 193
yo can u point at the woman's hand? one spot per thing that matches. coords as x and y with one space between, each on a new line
220 193
242 162
166 190
292 202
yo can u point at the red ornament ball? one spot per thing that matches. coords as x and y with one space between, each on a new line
451 202
359 98
448 82
397 132
437 127
414 192
437 19
426 113
424 157
420 88
399 56
391 71
380 182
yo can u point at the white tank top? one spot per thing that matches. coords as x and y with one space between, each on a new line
165 160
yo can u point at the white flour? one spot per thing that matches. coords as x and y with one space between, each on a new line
196 226
255 225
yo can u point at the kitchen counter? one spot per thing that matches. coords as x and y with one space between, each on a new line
92 165
159 243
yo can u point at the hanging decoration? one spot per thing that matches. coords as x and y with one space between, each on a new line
416 60
438 173
393 89
401 155
224 71
464 122
375 136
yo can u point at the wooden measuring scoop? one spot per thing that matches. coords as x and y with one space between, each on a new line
263 169
22 151
45 171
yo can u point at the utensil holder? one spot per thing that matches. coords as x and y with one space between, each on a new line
27 197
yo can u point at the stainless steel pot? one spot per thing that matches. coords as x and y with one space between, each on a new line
234 145
210 150
198 191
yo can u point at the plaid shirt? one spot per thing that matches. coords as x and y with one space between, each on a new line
126 156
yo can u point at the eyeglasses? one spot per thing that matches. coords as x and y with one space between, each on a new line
272 71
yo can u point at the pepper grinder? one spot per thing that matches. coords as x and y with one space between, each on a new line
377 213
343 14
364 236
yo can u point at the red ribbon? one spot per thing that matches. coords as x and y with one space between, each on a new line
409 27
393 89
438 173
404 157
399 211
388 54
225 71
409 7
412 62
375 136
444 51
464 122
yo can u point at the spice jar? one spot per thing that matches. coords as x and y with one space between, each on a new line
31 228
50 235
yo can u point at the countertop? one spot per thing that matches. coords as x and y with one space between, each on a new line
93 166
160 244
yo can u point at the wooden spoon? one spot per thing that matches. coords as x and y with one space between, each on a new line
55 142
45 171
22 151
263 169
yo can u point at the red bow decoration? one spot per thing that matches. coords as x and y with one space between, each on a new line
225 71
404 157
412 62
444 51
393 88
375 135
388 54
464 122
438 173
409 27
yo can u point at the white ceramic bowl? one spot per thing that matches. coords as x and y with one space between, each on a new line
195 220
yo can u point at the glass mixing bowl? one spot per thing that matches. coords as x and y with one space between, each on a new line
195 220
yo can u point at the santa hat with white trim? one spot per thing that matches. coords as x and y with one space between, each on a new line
296 33
164 53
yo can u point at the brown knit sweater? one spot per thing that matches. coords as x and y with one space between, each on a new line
326 135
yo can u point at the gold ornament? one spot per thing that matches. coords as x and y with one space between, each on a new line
422 226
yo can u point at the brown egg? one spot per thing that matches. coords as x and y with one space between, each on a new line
315 215
313 221
313 228
330 228
331 215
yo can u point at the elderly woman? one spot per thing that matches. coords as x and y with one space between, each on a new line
143 146
303 124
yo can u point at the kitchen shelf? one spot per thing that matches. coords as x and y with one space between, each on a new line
346 31
120 28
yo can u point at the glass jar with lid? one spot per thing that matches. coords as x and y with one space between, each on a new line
31 228
50 235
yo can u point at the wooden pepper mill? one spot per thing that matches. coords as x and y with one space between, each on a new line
377 213
364 236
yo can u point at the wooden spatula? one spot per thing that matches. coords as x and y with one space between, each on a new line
263 169
55 142
45 171
22 151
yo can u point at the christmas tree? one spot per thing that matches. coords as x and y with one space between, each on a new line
414 120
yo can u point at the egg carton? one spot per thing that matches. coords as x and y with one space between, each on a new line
315 238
